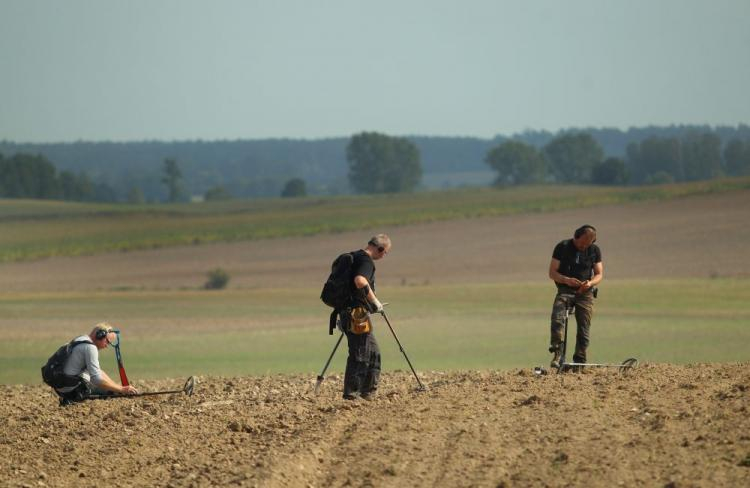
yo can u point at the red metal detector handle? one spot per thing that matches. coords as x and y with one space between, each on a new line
120 365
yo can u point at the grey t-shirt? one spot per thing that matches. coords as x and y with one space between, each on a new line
84 361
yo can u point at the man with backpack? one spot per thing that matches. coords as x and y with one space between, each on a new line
576 268
74 372
350 290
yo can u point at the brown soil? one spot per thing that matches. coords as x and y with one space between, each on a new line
659 425
699 237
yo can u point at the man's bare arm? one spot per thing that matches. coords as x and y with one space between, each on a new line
555 275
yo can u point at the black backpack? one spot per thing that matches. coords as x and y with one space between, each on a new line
337 290
52 372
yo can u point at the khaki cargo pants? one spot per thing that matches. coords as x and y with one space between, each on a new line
584 310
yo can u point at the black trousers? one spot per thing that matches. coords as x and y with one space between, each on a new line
362 365
81 391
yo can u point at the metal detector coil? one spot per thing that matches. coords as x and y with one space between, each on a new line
623 367
189 386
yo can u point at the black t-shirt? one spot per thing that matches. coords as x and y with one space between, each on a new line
365 266
574 263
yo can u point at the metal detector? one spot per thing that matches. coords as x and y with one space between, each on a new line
187 389
421 386
321 376
625 366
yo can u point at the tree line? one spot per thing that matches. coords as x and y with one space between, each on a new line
373 162
33 176
248 168
579 158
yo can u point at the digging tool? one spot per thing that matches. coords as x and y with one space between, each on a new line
321 376
382 312
625 366
187 389
118 355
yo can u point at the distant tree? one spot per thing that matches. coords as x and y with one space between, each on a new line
659 178
701 156
573 156
516 163
609 172
296 187
171 178
135 195
76 187
2 182
217 193
382 164
104 193
737 157
655 155
27 176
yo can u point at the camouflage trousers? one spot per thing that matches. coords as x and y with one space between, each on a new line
584 310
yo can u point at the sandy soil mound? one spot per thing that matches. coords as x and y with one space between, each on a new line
660 425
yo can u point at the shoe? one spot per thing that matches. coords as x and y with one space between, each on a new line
351 396
557 356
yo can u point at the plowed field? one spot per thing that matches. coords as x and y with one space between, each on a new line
659 425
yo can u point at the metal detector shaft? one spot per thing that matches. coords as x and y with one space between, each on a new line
187 389
598 365
321 376
382 312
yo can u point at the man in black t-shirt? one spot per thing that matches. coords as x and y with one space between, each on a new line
363 363
576 268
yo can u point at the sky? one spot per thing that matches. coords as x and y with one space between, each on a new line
186 69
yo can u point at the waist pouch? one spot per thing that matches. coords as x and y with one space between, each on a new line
359 322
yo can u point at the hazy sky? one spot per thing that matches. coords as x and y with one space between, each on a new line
185 69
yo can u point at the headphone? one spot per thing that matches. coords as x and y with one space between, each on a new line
374 244
582 230
102 333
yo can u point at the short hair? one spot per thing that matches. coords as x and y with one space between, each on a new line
101 329
585 229
380 240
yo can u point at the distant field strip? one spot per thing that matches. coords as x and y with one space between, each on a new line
39 229
174 333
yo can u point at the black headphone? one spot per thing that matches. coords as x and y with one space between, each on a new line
582 229
102 333
380 248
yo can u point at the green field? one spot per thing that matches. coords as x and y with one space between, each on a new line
38 229
235 332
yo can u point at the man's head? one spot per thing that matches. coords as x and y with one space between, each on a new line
102 334
584 236
378 246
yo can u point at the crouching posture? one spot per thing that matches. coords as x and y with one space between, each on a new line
74 373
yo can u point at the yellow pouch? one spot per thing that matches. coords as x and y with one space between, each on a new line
359 322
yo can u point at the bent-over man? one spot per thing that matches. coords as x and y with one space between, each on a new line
363 363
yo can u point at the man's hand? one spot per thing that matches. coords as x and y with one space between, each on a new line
573 282
377 307
128 390
585 286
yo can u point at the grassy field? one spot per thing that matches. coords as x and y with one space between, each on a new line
175 333
38 229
